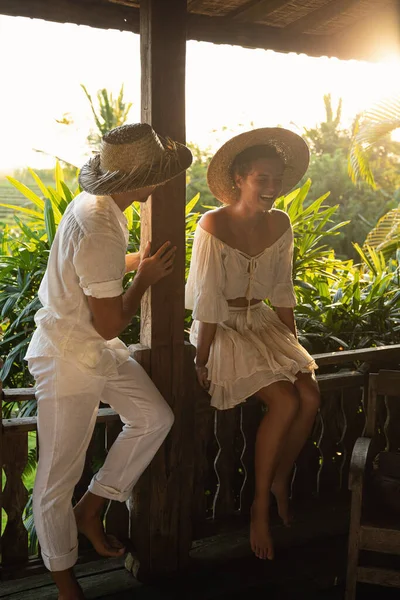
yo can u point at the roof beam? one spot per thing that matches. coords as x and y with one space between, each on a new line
216 30
256 9
320 16
93 14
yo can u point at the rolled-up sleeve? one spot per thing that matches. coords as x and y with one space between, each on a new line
283 291
204 288
100 265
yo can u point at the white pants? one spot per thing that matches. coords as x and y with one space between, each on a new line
68 400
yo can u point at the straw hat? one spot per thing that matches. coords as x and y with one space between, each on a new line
289 146
132 157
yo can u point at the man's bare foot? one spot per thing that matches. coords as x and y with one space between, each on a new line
73 595
89 523
260 536
68 587
281 493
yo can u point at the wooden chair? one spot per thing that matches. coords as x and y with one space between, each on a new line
371 528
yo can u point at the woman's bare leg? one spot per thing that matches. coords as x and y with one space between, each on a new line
298 434
283 403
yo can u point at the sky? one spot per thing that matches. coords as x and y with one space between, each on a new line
43 65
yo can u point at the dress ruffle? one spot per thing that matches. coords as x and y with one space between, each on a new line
249 354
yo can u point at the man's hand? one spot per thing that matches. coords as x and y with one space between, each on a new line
153 268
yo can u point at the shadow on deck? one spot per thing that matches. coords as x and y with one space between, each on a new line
309 567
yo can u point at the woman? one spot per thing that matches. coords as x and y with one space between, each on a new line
242 254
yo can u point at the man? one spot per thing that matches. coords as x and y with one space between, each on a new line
76 357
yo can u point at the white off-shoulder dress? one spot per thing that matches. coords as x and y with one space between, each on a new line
252 348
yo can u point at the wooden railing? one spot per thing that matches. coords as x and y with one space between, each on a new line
224 455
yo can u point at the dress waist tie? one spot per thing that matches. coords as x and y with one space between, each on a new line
249 295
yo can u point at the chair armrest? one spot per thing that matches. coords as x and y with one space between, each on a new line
361 455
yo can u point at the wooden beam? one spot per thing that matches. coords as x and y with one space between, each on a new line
379 354
217 30
92 13
257 9
369 41
320 16
163 526
220 30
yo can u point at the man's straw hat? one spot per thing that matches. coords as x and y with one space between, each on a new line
132 157
289 146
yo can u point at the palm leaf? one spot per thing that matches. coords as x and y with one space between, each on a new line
386 233
370 128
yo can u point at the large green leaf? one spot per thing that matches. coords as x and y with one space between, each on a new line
34 198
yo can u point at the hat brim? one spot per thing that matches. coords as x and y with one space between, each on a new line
289 145
94 181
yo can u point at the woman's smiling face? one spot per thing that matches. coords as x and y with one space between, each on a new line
263 183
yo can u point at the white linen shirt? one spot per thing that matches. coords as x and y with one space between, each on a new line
87 258
219 273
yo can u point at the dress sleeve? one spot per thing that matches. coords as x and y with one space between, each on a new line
204 288
283 292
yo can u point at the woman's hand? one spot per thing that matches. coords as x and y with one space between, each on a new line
202 377
153 268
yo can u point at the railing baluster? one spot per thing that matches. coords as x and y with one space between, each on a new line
204 480
225 425
251 416
15 497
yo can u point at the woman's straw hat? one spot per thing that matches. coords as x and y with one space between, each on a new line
132 157
289 146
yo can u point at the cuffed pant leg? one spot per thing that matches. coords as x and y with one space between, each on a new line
147 420
68 401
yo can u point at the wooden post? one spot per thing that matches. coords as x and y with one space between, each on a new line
161 508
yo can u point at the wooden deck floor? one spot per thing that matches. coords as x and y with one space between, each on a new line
310 564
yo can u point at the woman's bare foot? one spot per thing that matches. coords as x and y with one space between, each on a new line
281 493
88 517
260 536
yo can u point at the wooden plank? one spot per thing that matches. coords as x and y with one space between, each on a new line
257 10
334 381
110 584
388 383
15 497
370 426
320 16
381 353
217 30
18 394
94 13
33 582
376 576
24 424
379 539
356 484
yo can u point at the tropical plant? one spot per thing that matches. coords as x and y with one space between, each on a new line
110 113
361 205
371 128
